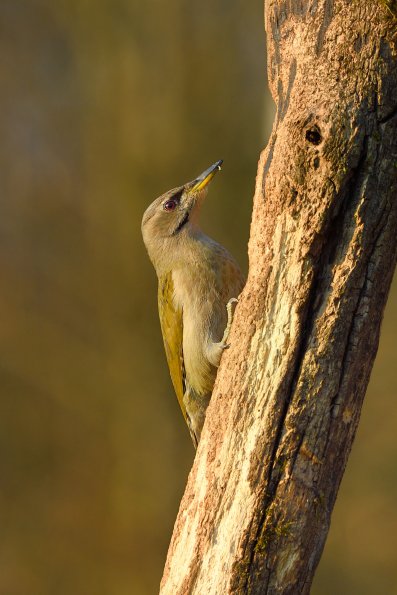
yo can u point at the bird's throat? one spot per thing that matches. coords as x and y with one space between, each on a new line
181 224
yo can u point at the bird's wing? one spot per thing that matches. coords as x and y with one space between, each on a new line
171 322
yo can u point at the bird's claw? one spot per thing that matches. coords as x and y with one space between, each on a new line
230 314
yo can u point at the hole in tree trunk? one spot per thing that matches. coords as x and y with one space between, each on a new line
313 135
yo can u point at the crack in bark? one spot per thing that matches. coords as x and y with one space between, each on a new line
284 102
328 12
335 402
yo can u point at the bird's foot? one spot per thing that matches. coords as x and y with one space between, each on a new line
215 350
230 307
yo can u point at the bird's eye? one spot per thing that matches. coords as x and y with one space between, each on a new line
169 205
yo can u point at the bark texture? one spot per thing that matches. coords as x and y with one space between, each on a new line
279 428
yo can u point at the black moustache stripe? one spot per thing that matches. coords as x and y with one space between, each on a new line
181 224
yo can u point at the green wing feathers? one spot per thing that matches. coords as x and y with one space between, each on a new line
171 322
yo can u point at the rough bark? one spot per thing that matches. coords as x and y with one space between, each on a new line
280 425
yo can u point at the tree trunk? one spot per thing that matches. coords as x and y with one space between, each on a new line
287 400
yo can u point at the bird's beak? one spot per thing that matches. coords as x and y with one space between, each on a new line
205 178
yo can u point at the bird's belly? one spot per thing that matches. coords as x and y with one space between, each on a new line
197 294
200 374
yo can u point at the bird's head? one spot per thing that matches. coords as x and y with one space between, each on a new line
174 214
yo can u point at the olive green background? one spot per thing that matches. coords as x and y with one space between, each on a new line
104 105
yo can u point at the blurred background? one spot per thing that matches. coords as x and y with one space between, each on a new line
103 106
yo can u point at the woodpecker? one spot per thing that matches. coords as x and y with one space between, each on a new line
198 283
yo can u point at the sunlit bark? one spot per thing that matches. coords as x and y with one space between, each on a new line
256 511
